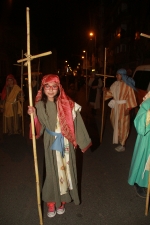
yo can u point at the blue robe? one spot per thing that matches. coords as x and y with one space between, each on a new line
137 173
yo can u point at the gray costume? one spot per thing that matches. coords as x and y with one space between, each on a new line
48 119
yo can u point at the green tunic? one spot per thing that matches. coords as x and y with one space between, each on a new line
51 190
137 173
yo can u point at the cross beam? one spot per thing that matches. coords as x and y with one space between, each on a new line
145 35
103 75
30 57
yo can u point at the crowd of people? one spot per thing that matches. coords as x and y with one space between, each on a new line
57 117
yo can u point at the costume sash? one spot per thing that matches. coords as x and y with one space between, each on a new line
58 144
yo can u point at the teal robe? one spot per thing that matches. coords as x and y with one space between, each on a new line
137 173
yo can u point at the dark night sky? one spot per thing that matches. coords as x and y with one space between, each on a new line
60 24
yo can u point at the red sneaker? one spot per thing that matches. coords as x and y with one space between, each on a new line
61 209
51 210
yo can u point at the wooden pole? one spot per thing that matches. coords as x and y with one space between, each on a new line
103 105
22 94
147 196
27 61
32 119
86 77
37 79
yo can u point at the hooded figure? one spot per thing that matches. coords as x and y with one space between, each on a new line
128 80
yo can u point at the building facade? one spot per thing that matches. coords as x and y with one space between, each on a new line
123 22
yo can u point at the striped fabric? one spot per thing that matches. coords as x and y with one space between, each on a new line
125 93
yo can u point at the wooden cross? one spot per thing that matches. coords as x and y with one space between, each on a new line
148 189
103 106
28 61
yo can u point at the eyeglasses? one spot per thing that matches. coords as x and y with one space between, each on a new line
53 87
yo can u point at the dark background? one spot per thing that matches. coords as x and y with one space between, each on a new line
63 25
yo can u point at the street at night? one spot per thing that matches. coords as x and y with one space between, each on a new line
106 197
74 112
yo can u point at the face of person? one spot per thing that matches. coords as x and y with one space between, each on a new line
50 90
10 82
118 76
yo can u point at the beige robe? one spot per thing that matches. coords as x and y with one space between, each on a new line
124 98
12 111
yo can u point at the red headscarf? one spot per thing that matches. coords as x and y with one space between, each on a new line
10 76
64 108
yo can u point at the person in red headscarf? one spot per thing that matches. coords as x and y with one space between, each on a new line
58 117
11 107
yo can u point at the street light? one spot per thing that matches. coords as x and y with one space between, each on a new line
93 36
86 71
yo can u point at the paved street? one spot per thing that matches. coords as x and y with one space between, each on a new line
106 197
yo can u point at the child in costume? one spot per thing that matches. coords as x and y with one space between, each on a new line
58 117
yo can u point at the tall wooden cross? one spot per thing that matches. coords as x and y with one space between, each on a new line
103 106
148 189
28 59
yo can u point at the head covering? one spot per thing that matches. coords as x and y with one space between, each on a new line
128 80
10 76
64 107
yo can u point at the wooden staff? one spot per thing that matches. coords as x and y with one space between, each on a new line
38 76
28 60
103 106
22 94
105 76
32 120
147 196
